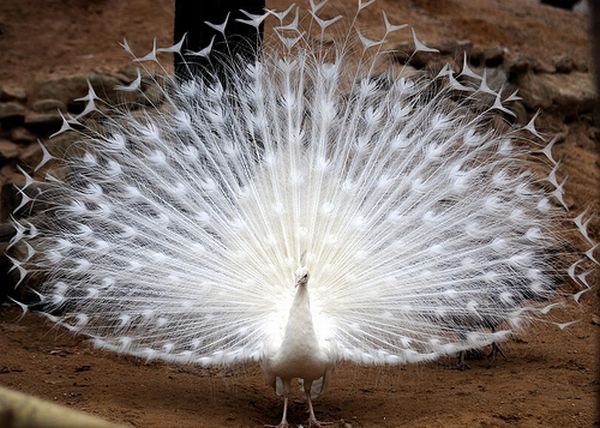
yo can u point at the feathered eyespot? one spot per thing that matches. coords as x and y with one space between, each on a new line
77 208
132 192
113 168
92 293
89 159
471 138
116 142
149 131
157 157
544 205
82 265
439 121
128 232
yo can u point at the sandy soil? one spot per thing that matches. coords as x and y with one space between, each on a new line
550 377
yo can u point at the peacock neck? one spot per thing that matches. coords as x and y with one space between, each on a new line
300 328
300 310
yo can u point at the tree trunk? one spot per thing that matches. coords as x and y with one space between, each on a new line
241 39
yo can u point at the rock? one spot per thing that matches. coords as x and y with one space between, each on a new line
475 56
8 200
501 124
543 67
401 53
496 79
48 104
564 64
569 94
127 73
31 155
405 54
154 95
8 150
422 59
43 123
7 230
22 135
493 56
453 47
11 112
12 93
66 89
519 109
521 64
518 65
61 143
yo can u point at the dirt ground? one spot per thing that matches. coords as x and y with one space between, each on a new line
550 377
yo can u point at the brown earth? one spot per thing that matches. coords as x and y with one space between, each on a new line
550 377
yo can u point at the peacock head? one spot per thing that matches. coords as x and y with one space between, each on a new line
302 276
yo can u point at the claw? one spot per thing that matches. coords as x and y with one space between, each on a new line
316 424
460 364
493 355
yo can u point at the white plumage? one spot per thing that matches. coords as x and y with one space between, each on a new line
409 225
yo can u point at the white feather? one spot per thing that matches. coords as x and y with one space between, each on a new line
179 234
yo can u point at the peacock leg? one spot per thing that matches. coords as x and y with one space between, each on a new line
312 419
286 392
460 364
496 349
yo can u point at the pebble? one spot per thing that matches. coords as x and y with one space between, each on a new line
493 56
12 93
43 123
452 47
496 78
22 136
520 64
475 56
8 150
522 115
569 94
31 155
66 89
564 64
7 230
401 53
8 200
48 104
153 94
11 111
501 124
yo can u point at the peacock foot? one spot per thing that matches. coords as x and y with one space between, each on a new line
281 425
493 355
460 364
313 423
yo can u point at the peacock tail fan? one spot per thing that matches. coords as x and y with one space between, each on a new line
174 231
